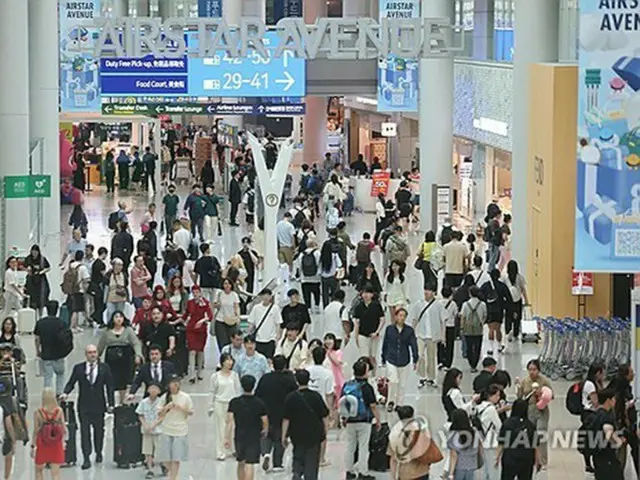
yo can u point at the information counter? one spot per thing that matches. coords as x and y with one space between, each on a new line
362 192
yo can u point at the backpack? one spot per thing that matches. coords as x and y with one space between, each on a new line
351 404
309 264
386 234
492 294
70 284
437 258
573 401
298 218
476 422
64 340
473 322
363 251
51 431
113 221
251 200
395 249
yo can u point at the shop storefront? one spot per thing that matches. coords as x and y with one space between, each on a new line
481 163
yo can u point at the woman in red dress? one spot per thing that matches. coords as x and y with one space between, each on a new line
49 432
197 318
160 299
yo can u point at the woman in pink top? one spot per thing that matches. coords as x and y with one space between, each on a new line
334 357
139 278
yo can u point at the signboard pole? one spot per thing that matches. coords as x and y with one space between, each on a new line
635 335
271 186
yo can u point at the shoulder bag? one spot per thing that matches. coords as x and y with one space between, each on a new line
264 318
424 310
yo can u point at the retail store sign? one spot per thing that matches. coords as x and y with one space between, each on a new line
335 38
27 186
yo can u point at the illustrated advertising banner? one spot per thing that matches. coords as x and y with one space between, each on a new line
380 182
608 185
398 77
79 71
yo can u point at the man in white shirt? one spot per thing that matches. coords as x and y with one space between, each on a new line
428 318
336 314
320 377
285 232
181 237
75 300
264 324
294 348
455 256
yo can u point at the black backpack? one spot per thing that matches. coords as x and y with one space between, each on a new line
573 401
309 264
113 221
299 218
64 339
446 235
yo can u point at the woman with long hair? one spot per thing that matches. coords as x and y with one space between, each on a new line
122 351
590 388
517 451
48 436
464 450
335 363
225 385
396 290
226 312
9 333
13 290
237 273
197 318
517 286
497 297
330 263
530 389
160 299
369 278
37 286
452 397
626 413
176 408
178 297
380 215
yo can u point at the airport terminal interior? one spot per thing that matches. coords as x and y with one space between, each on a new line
515 127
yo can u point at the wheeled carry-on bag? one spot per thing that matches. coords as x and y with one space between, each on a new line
529 326
70 451
127 437
180 357
26 319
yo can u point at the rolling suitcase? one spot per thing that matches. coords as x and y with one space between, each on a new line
379 461
26 320
127 437
65 314
529 327
180 357
70 451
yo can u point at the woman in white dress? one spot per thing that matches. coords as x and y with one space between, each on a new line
225 385
396 288
13 291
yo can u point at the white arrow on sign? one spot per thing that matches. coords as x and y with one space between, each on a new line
108 109
285 58
289 81
211 109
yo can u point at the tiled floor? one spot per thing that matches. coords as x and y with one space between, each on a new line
565 463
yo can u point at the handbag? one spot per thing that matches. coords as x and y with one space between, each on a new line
419 263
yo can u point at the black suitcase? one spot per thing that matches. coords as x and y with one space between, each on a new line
127 437
378 443
70 450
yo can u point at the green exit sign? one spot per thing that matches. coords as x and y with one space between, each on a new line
27 186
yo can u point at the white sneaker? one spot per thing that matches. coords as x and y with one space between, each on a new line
277 469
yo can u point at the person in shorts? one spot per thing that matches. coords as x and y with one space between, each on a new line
249 415
147 411
175 409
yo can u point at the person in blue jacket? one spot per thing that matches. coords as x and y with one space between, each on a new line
123 162
399 349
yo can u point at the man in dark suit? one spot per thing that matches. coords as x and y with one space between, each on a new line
95 397
235 197
155 372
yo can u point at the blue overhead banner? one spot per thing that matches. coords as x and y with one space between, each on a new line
607 229
252 76
210 8
398 77
286 8
79 78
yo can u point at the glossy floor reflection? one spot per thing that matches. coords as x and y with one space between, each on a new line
565 464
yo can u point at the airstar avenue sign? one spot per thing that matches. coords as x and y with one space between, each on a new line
335 38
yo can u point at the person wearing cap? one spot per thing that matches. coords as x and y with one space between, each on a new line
294 348
368 319
264 324
139 277
428 318
484 379
295 313
117 291
197 318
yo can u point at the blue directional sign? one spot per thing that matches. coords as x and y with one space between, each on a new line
253 76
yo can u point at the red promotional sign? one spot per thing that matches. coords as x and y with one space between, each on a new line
582 283
380 182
